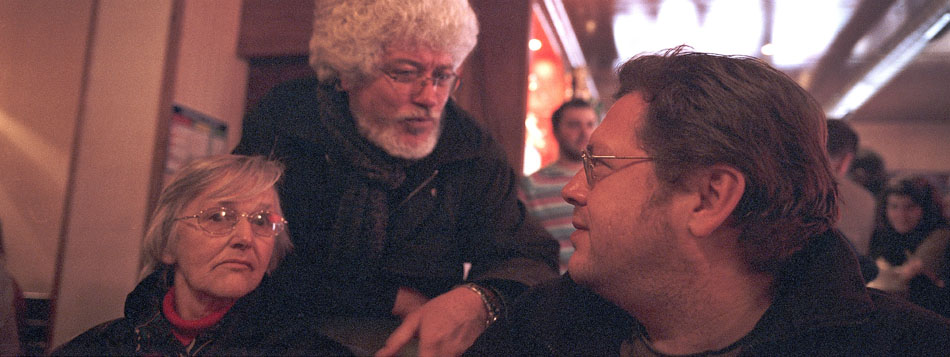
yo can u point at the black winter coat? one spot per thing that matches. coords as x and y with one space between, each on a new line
821 309
243 331
364 223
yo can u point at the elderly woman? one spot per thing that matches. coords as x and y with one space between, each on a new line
217 229
910 244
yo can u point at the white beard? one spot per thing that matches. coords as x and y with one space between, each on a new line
387 137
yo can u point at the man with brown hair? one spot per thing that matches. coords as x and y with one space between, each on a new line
704 223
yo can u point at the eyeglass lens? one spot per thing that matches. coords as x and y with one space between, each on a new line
223 220
442 80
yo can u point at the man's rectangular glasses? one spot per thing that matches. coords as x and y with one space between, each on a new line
589 164
416 80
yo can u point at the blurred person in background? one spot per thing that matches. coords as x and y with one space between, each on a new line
856 205
910 244
868 169
572 123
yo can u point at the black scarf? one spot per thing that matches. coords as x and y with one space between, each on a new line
368 173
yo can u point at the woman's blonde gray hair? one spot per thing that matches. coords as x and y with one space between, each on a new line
350 36
219 177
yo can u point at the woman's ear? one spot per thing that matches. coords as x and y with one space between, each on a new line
168 258
720 187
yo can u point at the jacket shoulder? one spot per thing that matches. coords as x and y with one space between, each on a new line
289 98
913 330
113 337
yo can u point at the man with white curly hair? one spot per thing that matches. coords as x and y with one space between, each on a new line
391 188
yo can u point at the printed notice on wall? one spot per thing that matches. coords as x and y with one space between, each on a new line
192 135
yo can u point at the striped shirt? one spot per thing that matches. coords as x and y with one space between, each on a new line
541 193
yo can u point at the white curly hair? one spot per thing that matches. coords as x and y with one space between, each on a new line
350 36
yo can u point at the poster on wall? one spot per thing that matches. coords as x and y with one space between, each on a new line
191 135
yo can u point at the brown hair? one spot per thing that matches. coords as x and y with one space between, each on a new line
707 109
571 104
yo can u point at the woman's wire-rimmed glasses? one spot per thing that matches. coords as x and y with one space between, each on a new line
588 159
221 221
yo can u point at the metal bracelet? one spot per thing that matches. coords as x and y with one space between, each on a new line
494 310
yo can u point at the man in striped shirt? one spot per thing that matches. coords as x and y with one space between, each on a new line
572 123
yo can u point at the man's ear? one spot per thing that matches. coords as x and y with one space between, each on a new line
719 187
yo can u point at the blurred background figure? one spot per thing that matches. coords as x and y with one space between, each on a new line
572 123
217 229
868 169
11 308
910 244
856 204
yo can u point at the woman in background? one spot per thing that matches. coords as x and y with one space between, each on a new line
910 243
217 228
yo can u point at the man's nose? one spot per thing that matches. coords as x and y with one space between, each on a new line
575 191
428 96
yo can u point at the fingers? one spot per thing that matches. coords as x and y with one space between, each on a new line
405 332
428 348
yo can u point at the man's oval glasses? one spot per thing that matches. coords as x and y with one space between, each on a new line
221 221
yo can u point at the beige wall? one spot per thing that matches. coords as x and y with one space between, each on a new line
118 123
109 102
210 77
908 146
42 53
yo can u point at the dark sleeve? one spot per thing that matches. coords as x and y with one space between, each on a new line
513 334
513 251
556 318
258 136
287 102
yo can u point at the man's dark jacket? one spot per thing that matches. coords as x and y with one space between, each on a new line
364 223
243 331
821 309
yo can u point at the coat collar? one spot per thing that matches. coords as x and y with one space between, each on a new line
820 286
